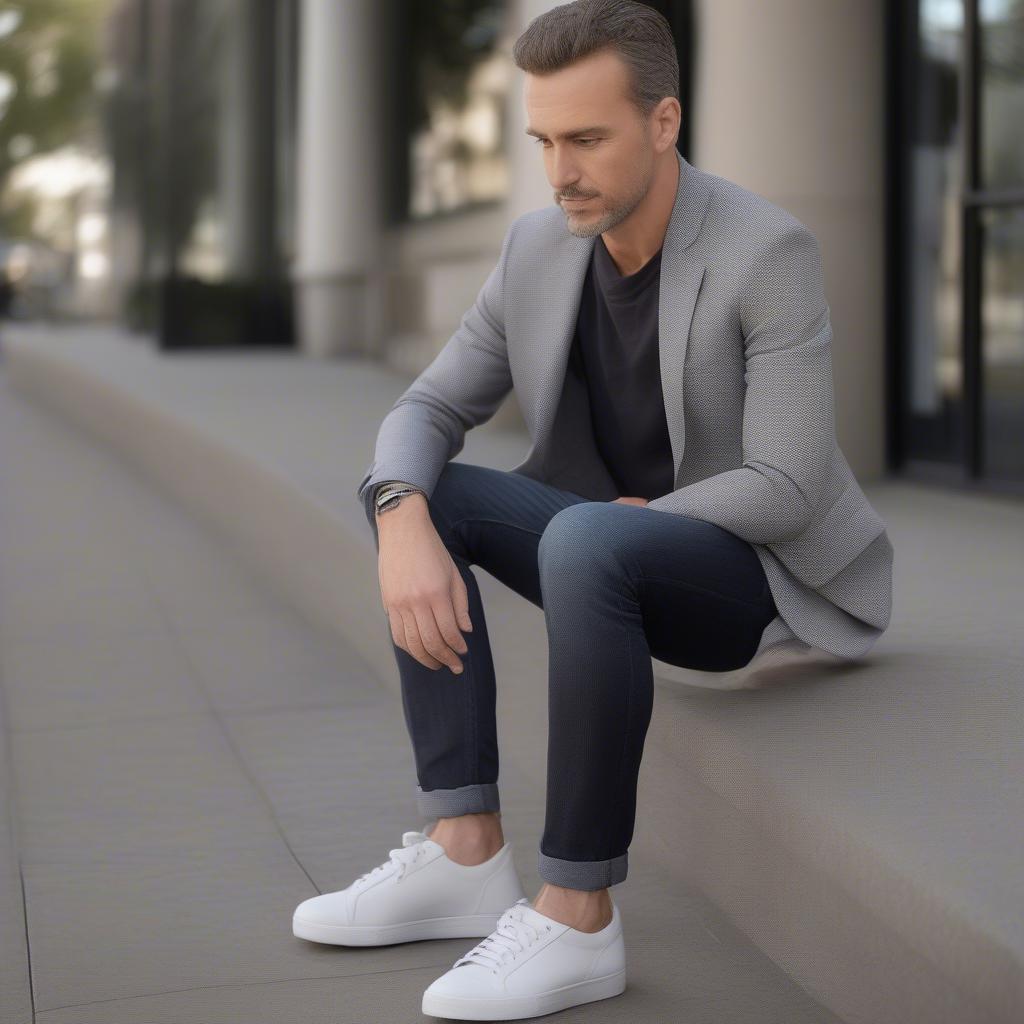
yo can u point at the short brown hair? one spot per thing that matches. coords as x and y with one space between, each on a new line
638 33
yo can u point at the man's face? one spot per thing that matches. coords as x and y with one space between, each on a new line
596 147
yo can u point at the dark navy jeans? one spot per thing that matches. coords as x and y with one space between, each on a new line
618 583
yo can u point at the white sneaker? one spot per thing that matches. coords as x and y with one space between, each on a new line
419 893
531 965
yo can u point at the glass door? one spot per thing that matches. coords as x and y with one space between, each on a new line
996 199
957 233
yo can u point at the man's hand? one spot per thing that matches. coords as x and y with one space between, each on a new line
421 587
632 501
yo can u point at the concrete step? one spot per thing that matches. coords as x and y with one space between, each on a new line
861 823
190 758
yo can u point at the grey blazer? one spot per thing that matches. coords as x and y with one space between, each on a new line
746 378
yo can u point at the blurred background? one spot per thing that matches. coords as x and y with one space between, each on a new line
231 234
336 178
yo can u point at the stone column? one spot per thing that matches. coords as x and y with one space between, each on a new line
337 196
790 104
246 139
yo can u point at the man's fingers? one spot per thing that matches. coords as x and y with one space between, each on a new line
433 641
397 629
460 600
413 643
444 616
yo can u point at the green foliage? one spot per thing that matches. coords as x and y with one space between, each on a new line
48 64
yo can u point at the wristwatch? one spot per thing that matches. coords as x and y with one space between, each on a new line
390 494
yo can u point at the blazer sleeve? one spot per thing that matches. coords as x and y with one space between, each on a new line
788 408
461 388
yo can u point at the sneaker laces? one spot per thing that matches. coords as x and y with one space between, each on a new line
401 857
511 937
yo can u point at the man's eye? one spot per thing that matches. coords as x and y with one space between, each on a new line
587 141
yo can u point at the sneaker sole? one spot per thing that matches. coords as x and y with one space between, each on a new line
525 1006
465 927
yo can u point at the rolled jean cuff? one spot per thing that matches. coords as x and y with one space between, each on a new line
582 874
449 803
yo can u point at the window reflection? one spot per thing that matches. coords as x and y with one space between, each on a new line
935 374
460 86
1001 24
1002 331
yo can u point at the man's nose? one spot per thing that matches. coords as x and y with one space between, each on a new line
563 172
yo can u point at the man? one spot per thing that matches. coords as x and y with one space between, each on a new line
668 339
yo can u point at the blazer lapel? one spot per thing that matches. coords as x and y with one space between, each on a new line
556 300
679 284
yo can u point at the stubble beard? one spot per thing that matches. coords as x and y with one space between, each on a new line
583 228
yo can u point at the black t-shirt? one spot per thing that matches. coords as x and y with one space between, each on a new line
615 350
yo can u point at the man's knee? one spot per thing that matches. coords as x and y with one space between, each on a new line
581 531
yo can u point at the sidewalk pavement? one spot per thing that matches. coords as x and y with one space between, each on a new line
186 758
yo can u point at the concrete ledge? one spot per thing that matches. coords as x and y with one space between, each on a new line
861 822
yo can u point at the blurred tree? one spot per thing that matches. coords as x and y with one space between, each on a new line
449 37
49 56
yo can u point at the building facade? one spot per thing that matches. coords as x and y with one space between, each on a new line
368 157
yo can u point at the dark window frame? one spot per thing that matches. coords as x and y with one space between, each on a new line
967 474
